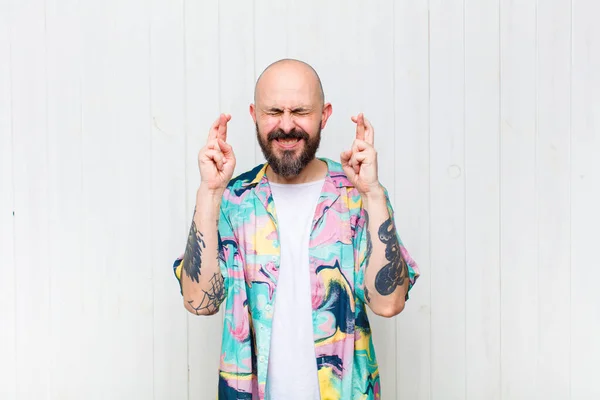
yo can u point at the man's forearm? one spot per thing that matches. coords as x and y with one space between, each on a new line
386 272
201 279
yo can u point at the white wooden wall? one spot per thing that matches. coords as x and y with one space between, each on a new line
487 118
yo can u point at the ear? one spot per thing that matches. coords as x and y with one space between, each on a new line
253 112
327 110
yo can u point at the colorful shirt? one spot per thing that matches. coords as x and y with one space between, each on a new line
250 256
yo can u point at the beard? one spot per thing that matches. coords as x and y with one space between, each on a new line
288 164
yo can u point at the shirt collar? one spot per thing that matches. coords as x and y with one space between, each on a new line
335 176
334 180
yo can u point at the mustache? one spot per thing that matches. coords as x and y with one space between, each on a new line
293 134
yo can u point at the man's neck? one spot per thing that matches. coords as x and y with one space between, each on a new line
315 170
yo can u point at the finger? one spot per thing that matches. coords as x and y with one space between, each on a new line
360 119
214 128
214 144
358 158
369 132
360 127
227 151
354 163
222 131
360 145
216 156
213 154
345 156
224 146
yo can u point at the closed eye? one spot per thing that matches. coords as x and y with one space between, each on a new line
301 111
297 111
274 111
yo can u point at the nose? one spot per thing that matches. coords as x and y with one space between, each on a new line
287 122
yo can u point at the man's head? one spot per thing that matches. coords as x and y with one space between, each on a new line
289 113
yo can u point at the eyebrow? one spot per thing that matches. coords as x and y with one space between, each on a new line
294 110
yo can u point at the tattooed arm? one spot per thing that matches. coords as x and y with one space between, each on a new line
201 279
384 278
199 273
386 272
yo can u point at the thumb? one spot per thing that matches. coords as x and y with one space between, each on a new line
345 156
345 159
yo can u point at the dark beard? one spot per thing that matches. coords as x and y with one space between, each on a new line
289 165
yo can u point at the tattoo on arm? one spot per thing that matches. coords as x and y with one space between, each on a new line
367 295
192 260
393 273
369 242
212 298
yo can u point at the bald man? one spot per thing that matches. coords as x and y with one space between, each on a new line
297 248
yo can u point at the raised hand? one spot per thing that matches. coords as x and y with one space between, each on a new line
360 162
216 160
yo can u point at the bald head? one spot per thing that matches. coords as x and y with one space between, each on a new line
286 76
289 113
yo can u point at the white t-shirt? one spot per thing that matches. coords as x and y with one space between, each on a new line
292 371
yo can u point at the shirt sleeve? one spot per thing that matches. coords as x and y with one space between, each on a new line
228 248
361 250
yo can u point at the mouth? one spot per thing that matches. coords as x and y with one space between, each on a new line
288 143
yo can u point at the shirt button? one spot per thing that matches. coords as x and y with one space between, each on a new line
261 359
268 307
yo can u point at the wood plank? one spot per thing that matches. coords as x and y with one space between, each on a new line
236 79
411 82
28 68
482 167
202 107
131 266
168 189
585 197
65 205
8 388
98 141
519 239
271 19
447 180
553 197
116 125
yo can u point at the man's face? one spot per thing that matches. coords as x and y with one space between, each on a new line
288 153
289 115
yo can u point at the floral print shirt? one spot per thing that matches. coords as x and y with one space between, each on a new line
249 262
